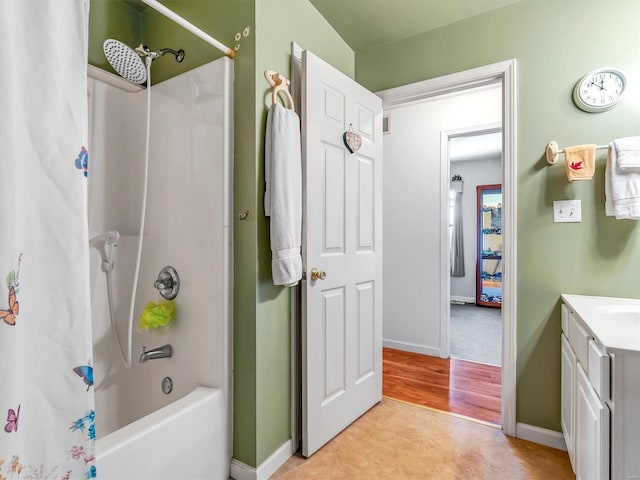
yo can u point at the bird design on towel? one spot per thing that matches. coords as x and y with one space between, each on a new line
576 165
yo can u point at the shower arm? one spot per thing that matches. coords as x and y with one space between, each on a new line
144 51
178 54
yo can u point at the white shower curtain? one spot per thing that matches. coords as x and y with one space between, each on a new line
46 395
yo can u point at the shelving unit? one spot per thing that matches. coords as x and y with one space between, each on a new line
489 262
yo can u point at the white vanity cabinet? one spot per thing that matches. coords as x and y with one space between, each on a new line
591 431
568 386
600 364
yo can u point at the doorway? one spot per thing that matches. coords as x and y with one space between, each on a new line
431 335
438 345
467 383
475 239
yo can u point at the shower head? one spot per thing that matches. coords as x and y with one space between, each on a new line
125 61
128 62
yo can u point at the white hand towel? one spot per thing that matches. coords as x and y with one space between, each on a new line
622 190
608 198
267 163
283 194
628 152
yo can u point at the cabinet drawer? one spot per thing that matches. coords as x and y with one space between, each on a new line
599 370
579 340
564 310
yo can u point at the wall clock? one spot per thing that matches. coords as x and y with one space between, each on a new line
600 90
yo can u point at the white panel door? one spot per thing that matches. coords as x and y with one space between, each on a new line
342 237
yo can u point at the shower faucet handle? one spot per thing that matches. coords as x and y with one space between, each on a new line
168 283
163 283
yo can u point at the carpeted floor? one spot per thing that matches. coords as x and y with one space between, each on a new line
397 441
476 334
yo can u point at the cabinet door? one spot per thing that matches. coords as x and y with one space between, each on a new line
591 431
567 419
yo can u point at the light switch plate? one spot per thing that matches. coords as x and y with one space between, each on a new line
567 211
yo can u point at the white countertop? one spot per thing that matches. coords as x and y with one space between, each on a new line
614 322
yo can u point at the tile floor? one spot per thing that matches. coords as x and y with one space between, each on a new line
395 440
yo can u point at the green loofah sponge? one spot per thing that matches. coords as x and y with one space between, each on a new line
156 315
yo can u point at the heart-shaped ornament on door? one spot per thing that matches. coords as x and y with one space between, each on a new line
352 141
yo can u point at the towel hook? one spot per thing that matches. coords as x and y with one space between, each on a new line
280 84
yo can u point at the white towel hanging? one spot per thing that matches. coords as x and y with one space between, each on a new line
283 193
628 152
622 190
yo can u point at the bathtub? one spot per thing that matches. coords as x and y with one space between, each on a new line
186 440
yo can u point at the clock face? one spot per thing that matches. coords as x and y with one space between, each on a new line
599 90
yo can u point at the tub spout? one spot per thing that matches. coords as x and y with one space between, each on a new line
165 351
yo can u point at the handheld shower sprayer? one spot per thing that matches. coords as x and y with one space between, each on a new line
107 245
111 244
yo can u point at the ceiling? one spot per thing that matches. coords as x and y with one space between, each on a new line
365 24
475 147
368 23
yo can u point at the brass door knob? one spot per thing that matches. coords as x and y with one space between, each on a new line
317 274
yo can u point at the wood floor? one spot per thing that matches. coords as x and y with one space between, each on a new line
450 385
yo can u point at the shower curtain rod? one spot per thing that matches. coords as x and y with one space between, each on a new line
171 15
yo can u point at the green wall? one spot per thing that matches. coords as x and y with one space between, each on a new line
221 19
555 43
111 19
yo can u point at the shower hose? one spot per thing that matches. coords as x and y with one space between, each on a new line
126 356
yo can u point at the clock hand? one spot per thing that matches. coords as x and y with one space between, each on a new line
598 85
602 85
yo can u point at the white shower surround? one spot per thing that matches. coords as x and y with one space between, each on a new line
188 226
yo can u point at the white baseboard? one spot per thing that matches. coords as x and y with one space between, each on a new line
411 347
459 298
550 438
241 471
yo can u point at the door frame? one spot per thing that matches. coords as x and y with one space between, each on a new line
445 273
296 292
504 72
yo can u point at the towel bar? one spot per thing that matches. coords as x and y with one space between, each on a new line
553 152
